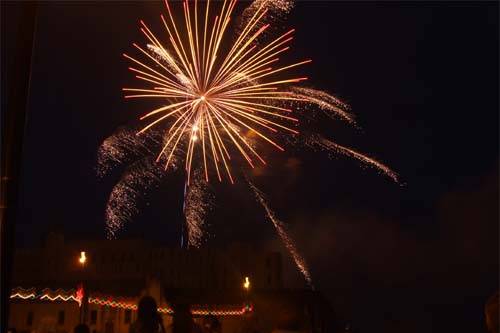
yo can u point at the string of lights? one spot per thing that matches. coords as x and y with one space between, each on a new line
48 294
113 303
121 303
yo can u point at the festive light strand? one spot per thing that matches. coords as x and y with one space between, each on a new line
47 295
121 303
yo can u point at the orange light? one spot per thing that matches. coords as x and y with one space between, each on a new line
83 258
246 284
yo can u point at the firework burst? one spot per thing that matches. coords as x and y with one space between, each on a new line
211 93
220 99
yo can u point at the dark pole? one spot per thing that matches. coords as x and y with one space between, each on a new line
18 23
184 231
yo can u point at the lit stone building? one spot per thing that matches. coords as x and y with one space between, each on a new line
48 294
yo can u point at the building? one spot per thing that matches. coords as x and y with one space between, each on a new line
100 282
132 260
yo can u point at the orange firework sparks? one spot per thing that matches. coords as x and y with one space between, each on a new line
198 202
213 94
283 234
320 142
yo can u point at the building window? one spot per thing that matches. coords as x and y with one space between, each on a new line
60 317
128 316
29 318
93 317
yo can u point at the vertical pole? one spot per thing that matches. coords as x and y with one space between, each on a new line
18 24
184 231
83 302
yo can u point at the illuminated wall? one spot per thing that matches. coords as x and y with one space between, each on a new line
43 316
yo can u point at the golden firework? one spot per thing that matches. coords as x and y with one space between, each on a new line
212 94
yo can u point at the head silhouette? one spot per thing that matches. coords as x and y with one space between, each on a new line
147 315
182 320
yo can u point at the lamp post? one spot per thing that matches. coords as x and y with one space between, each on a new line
82 261
246 287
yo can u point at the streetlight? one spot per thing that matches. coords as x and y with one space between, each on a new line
246 284
82 260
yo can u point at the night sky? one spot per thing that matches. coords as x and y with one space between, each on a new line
422 80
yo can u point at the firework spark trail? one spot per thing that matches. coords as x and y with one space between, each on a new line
122 147
330 105
283 234
197 204
317 141
164 56
277 10
122 203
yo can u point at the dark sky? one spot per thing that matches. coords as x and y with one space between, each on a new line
423 82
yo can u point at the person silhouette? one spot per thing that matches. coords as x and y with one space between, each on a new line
182 320
148 318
